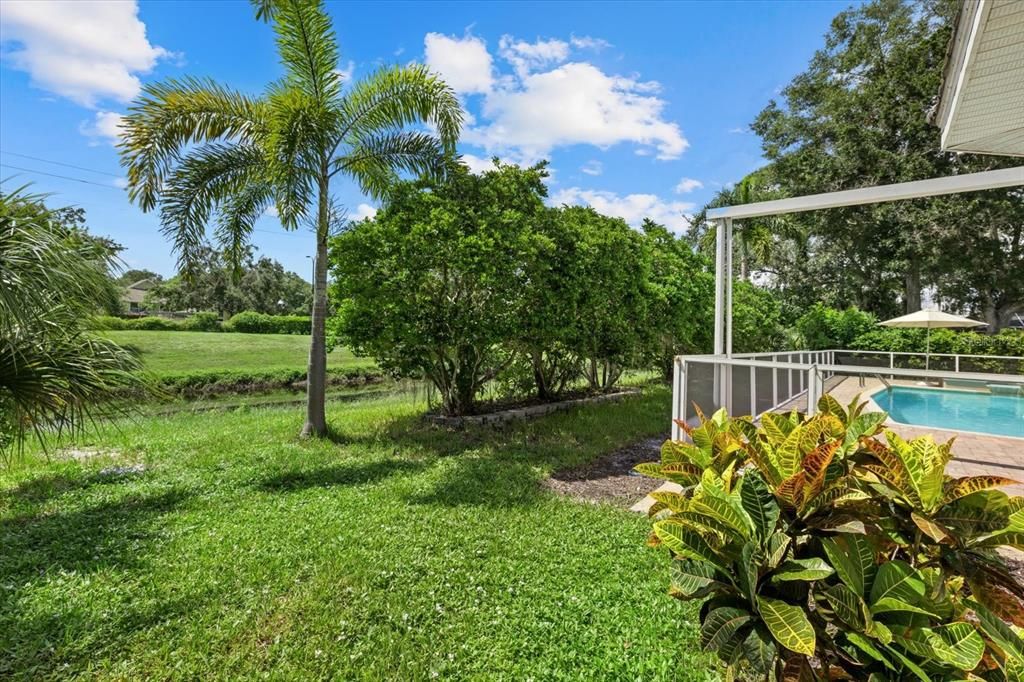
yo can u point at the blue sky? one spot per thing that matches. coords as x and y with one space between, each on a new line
642 108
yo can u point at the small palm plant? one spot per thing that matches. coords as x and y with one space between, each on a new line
54 376
197 148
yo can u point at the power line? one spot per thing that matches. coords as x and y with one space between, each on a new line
62 177
59 163
99 184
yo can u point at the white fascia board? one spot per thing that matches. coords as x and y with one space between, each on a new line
954 184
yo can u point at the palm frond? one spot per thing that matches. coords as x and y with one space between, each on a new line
237 216
54 377
54 382
300 132
398 96
205 179
374 161
43 265
170 116
308 48
265 9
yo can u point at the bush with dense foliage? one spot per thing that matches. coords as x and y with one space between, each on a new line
474 279
432 286
251 322
680 299
248 322
821 551
202 322
822 327
1007 342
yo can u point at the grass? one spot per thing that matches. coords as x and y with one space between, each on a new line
394 550
171 352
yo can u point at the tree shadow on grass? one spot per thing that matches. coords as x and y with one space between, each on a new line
338 475
49 486
504 466
38 546
42 488
83 540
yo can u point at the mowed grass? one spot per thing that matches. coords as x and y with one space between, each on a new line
393 551
174 352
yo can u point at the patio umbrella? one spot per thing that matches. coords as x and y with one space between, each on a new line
930 319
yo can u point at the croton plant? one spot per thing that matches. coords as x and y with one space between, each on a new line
822 550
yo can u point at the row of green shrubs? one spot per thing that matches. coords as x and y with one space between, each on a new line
823 328
213 382
247 322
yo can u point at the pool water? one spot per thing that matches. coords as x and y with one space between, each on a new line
957 410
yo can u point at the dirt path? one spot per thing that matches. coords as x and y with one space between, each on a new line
611 478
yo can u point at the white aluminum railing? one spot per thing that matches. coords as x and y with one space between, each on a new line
770 380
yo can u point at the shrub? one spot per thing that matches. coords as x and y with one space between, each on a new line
432 287
154 324
822 551
1006 342
250 322
107 323
756 319
202 322
293 324
823 328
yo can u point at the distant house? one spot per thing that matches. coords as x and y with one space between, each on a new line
134 295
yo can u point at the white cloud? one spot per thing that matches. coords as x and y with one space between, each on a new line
345 72
738 130
120 183
592 168
85 51
364 211
687 185
526 57
575 103
477 164
465 64
588 43
550 102
272 212
632 208
104 127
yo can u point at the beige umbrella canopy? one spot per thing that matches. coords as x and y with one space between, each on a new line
930 319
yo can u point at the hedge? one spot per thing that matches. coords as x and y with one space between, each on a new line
1007 342
212 382
248 323
251 322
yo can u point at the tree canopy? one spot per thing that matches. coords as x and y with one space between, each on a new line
858 116
261 285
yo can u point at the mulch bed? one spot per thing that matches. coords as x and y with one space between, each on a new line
611 478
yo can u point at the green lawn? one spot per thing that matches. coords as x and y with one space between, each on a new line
174 352
393 551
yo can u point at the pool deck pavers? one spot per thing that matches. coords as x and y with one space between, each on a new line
975 454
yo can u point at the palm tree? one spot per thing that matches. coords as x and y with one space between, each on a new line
197 148
54 376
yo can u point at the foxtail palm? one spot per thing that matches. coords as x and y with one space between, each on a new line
198 150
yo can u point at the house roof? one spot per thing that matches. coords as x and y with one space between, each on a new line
143 284
981 104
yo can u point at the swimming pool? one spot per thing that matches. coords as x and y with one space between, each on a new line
957 410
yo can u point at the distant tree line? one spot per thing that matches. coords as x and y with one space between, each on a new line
215 285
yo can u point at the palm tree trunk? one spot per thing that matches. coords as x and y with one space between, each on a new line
316 377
